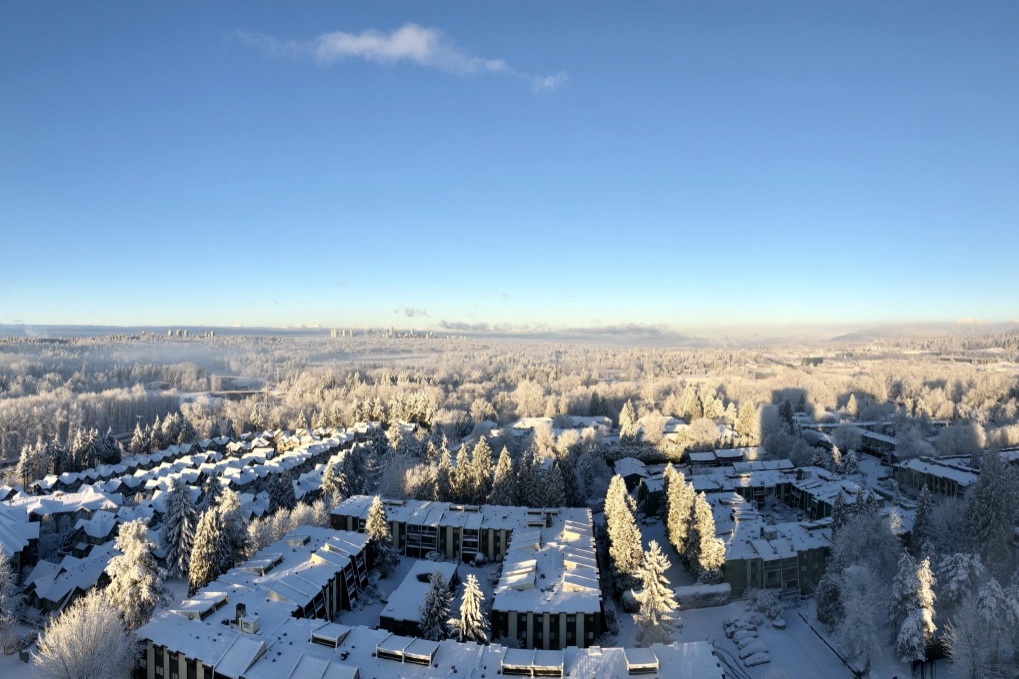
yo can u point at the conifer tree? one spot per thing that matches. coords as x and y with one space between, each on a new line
8 600
915 589
627 423
235 530
210 556
481 471
380 541
679 509
851 463
706 552
444 478
179 524
139 444
472 625
922 518
992 507
281 492
625 546
656 621
136 580
554 487
530 492
504 485
434 611
461 480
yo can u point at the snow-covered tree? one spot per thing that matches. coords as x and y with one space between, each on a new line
969 642
87 640
679 499
992 507
851 463
434 611
281 492
855 633
625 546
912 608
481 471
211 555
8 600
136 580
212 488
444 476
462 482
179 524
139 444
504 485
705 551
234 528
656 621
380 541
627 423
959 575
922 519
472 624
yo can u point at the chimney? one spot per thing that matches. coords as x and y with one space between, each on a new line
242 610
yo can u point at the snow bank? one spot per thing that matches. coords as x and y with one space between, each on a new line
703 596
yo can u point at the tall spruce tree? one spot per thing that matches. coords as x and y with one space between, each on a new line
481 471
922 519
706 552
627 423
434 611
211 554
992 507
679 510
656 621
381 551
625 546
917 628
444 476
136 580
504 485
281 492
472 624
179 524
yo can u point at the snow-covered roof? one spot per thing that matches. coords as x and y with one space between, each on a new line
630 466
16 531
406 599
551 569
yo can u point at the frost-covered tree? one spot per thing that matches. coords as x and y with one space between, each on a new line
969 642
625 546
136 580
657 620
472 624
855 633
504 485
851 463
705 552
281 492
911 608
922 518
8 600
234 529
139 444
627 423
481 471
434 611
212 488
679 499
992 507
211 555
380 541
179 524
462 482
959 575
87 640
444 476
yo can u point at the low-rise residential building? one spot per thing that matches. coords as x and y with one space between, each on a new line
950 477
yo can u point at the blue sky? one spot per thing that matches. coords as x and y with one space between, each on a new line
510 164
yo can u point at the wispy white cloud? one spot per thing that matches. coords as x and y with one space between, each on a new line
410 43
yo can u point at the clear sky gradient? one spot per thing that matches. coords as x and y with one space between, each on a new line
514 164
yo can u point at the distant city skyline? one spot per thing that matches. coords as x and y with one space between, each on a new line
517 167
